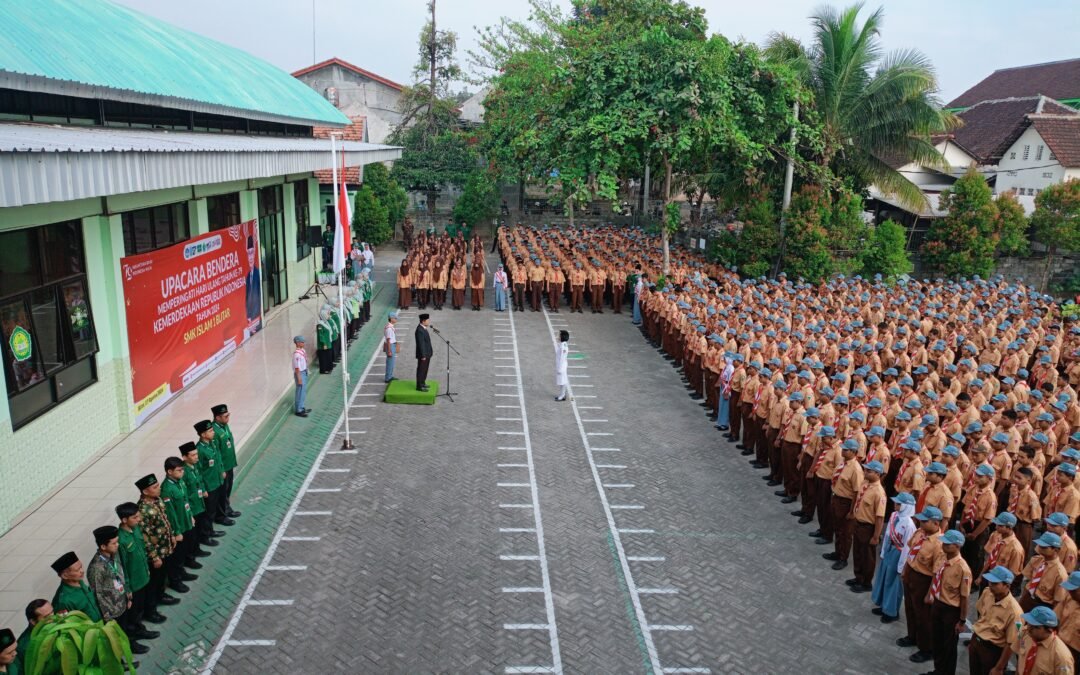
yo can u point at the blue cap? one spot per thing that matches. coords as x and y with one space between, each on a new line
1058 519
1041 616
1049 540
950 406
874 403
1044 417
927 420
827 432
1067 469
951 450
929 513
984 470
937 467
1072 583
875 466
903 416
850 444
1000 575
1006 519
1040 437
955 537
812 412
298 338
1069 453
1000 437
876 431
904 498
857 415
796 396
973 428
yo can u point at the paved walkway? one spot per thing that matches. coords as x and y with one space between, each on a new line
507 533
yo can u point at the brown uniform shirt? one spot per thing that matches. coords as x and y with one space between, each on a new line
1068 612
1053 657
910 478
997 619
930 555
955 581
871 503
1052 574
827 466
1006 552
940 496
849 481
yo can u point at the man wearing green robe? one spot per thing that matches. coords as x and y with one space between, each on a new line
226 446
178 511
210 470
136 566
74 593
197 493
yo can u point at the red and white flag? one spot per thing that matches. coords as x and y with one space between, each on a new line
343 229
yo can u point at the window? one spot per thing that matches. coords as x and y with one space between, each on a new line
1048 174
46 325
223 210
1038 153
1052 157
1027 152
1012 155
302 206
150 229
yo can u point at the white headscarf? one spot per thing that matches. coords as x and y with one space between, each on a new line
903 526
729 369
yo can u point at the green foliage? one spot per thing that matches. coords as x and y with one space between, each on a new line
71 644
386 189
370 219
871 106
479 202
886 253
1056 220
825 235
1070 311
1012 226
963 243
430 162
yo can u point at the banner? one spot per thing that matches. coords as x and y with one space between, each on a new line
189 306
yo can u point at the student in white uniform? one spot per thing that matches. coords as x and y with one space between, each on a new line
562 352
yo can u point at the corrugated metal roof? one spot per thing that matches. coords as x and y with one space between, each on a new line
118 50
43 163
29 137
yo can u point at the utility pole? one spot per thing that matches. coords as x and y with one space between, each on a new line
789 174
432 47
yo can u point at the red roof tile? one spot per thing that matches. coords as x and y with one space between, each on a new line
348 66
1059 80
991 127
1062 134
352 132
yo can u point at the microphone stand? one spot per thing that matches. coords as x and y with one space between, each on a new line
448 394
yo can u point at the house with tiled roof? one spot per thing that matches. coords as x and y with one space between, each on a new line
358 93
1059 80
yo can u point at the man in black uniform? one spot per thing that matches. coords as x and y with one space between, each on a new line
423 352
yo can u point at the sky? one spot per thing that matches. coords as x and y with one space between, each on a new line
966 40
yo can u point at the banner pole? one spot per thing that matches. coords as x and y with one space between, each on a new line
346 443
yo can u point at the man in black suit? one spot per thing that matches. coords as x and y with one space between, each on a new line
423 352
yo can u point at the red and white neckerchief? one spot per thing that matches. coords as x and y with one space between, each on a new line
900 476
914 549
972 508
836 474
1014 500
810 434
894 536
786 426
871 453
1036 578
1033 653
991 560
301 352
757 397
820 460
862 491
898 449
935 584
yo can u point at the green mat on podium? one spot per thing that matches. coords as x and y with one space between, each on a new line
404 391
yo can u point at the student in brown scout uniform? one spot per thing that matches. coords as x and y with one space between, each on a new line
1068 613
821 472
476 284
810 443
924 557
577 287
1058 523
1038 649
847 480
536 285
868 516
597 281
457 285
948 597
792 427
404 284
554 283
998 615
520 276
1003 548
935 492
1043 574
980 507
1024 504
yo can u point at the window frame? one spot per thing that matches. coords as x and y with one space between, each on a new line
127 225
212 200
52 381
302 218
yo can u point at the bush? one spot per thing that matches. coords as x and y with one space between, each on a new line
370 220
886 253
390 193
965 241
479 201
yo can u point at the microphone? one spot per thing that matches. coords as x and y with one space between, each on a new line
434 329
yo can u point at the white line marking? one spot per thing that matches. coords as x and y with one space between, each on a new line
519 557
529 669
618 485
578 367
324 489
342 452
637 531
313 513
505 385
590 407
507 395
601 433
587 386
334 470
507 419
616 536
286 568
606 450
522 589
511 447
581 377
581 395
355 431
670 626
549 602
627 507
502 350
359 419
270 603
510 433
594 421
610 466
659 591
279 536
363 405
513 466
646 558
517 529
246 643
515 506
513 485
508 406
687 670
526 626
376 394
504 358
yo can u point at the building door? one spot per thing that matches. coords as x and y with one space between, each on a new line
272 240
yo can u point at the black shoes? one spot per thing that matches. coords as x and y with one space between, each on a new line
831 555
233 514
788 500
301 414
227 522
839 564
168 600
188 576
217 533
144 634
193 564
137 648
821 541
859 588
905 642
920 657
179 587
208 542
156 617
804 520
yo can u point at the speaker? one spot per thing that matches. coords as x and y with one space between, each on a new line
314 236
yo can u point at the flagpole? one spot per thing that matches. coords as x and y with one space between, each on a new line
346 444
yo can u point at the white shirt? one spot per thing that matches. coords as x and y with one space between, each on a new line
562 351
390 333
639 286
369 257
299 359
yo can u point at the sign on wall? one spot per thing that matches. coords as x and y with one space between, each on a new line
189 306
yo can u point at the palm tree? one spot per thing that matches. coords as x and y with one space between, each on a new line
872 106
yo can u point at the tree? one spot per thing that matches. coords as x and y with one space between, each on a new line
389 192
1056 221
370 220
886 253
963 243
436 151
1012 226
479 202
871 106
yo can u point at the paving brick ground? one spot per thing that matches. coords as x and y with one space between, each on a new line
427 557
